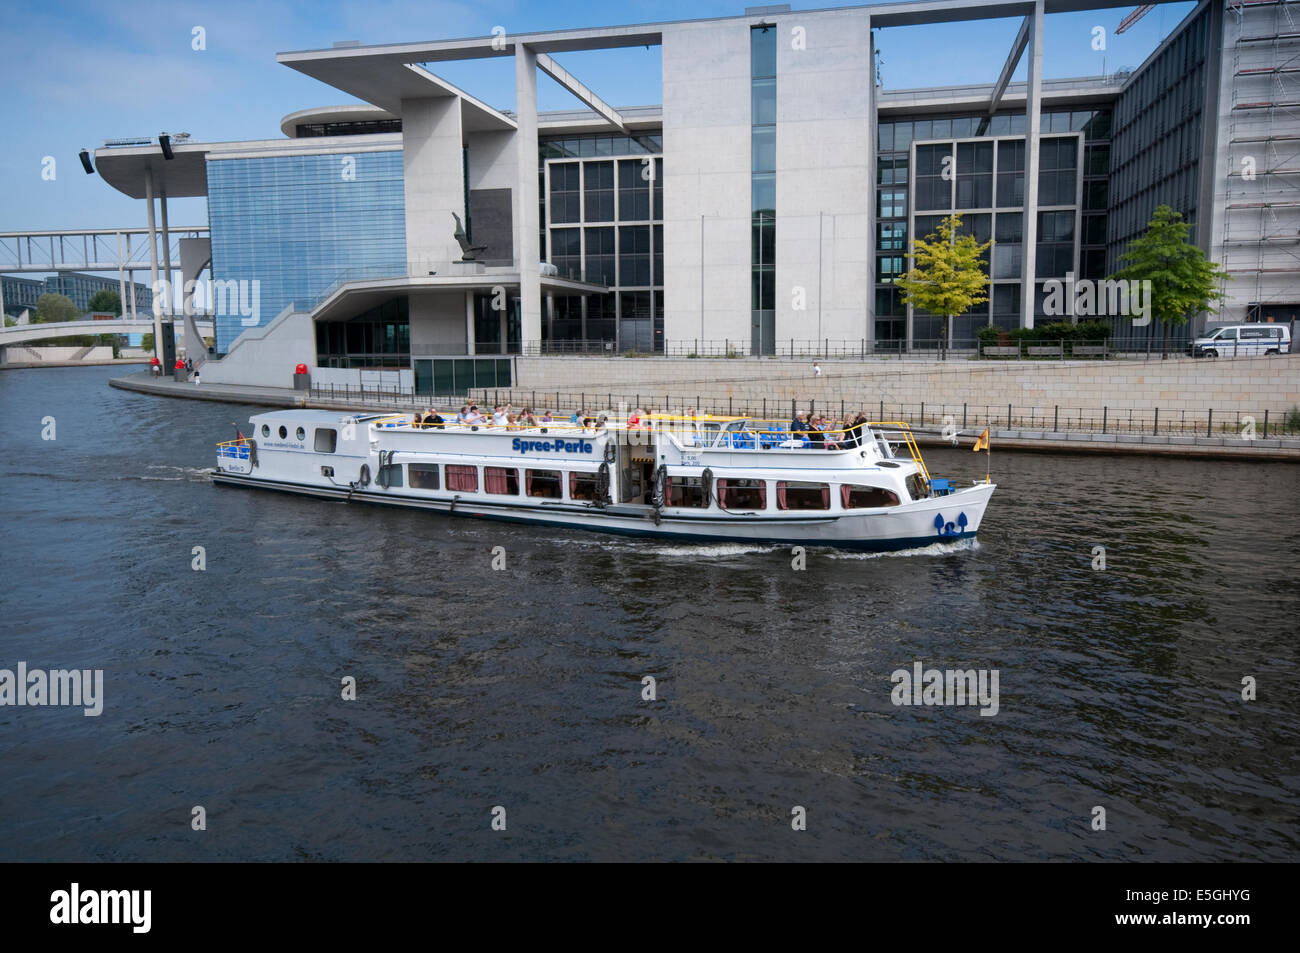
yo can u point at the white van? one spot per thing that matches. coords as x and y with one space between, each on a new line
1245 340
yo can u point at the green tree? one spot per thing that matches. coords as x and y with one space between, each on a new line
947 275
1183 281
54 307
106 300
146 341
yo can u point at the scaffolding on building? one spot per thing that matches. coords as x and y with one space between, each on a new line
1263 187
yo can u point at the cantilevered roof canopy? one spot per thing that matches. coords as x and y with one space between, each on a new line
185 176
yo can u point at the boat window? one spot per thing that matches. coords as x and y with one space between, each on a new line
390 475
802 496
542 483
686 491
266 431
503 481
284 432
423 476
742 494
326 439
302 434
706 434
462 479
860 497
916 486
583 486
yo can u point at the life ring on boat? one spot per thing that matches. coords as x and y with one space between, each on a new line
611 452
383 477
602 485
660 487
364 478
252 451
706 484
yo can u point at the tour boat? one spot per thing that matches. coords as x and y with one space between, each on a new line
734 479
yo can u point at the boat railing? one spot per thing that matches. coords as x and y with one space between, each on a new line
905 432
751 433
235 449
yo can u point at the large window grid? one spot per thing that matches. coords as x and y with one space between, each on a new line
895 138
983 180
603 223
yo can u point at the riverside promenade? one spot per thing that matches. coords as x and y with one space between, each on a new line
1081 438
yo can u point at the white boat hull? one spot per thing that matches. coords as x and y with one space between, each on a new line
872 531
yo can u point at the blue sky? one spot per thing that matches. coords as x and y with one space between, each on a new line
77 73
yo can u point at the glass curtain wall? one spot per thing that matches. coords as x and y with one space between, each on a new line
762 64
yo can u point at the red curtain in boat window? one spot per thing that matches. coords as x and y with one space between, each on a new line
722 494
668 490
826 496
494 480
762 495
528 482
780 495
845 489
462 478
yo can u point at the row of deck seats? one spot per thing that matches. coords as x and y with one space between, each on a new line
749 439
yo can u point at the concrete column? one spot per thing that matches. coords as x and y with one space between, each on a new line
469 322
433 172
527 247
550 317
167 247
153 266
1033 113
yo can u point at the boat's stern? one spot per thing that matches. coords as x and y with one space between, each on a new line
235 456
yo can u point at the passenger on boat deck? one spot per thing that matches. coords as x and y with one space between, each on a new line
588 425
498 416
527 418
834 434
634 418
434 419
546 417
475 418
600 424
815 433
578 416
854 436
799 424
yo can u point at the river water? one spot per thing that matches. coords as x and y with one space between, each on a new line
521 689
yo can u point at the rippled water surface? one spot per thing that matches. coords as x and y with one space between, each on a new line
522 688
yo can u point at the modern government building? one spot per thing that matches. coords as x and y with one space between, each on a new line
766 204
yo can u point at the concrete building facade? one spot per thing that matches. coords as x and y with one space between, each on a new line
764 207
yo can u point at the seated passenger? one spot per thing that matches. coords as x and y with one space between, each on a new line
815 435
799 425
834 435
